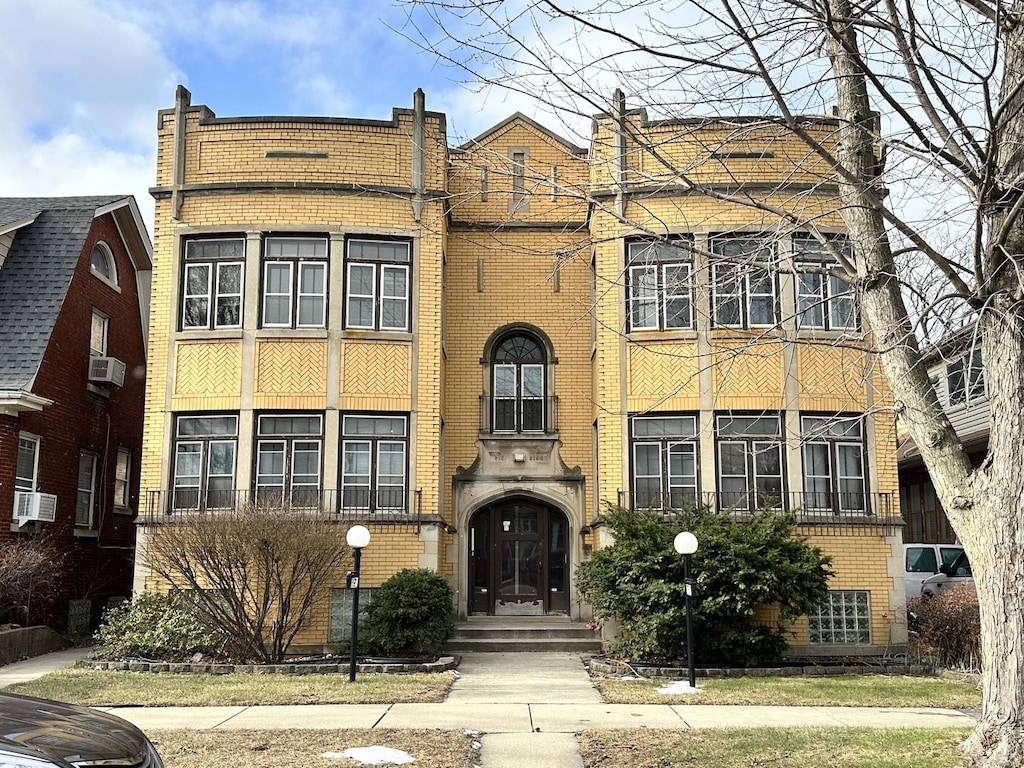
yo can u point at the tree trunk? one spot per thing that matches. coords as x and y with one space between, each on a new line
984 505
995 525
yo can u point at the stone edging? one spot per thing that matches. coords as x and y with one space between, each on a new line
443 664
611 668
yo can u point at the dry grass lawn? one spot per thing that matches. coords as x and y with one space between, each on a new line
303 749
774 748
838 691
147 689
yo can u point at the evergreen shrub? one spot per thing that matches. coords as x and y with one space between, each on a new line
410 614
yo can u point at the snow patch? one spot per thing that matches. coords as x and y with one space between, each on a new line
373 756
678 687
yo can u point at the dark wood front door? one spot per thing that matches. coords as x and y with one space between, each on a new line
518 560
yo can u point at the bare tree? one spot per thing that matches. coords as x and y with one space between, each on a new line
30 570
928 164
257 572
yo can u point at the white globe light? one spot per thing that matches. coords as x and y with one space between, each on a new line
358 536
685 543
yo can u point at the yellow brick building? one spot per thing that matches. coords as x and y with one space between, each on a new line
474 349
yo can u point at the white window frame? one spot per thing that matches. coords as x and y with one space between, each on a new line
214 290
970 371
753 445
296 494
107 255
85 513
370 446
650 259
297 263
743 276
666 445
99 332
817 432
122 478
205 443
19 480
378 300
830 293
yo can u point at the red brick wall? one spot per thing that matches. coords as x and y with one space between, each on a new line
8 464
98 566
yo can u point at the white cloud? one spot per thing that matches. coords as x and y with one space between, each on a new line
78 101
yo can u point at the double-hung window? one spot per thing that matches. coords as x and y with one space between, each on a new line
660 288
295 282
122 478
965 378
288 459
833 451
823 301
26 472
750 469
212 284
373 463
85 501
204 461
99 330
377 295
743 281
664 461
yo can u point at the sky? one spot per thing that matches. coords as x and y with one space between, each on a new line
81 80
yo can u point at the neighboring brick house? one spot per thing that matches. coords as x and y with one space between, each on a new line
74 294
465 349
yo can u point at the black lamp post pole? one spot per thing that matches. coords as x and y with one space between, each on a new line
357 552
688 582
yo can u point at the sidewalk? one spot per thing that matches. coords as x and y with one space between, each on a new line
527 705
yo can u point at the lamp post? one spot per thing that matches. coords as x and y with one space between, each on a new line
358 536
686 544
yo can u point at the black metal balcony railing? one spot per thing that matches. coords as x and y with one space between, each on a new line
839 511
347 505
519 415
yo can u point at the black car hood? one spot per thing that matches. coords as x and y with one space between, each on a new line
68 734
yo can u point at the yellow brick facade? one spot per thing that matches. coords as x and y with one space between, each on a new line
518 373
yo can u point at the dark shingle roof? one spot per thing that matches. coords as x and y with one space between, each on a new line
35 276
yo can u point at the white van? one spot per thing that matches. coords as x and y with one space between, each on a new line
952 575
923 560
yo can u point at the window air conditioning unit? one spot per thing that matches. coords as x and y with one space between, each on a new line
106 370
29 506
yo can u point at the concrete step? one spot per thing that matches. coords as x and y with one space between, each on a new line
523 646
522 634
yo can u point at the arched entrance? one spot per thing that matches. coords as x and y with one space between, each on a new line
518 559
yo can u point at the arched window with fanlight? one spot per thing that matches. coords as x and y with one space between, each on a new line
518 386
102 264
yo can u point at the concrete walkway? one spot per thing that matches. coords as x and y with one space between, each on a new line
528 706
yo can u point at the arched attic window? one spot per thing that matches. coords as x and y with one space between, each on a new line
519 388
102 264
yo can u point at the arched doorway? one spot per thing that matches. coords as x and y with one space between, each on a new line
518 559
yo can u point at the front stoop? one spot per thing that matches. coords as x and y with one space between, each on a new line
519 634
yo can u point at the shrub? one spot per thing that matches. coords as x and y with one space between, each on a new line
30 570
742 565
945 629
257 571
410 613
160 627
